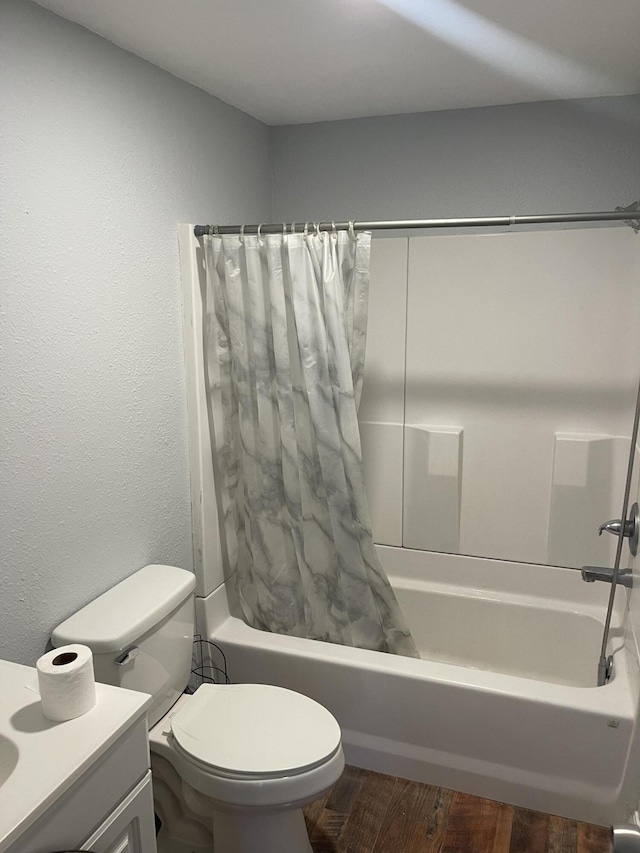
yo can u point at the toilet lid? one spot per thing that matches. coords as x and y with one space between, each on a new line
255 729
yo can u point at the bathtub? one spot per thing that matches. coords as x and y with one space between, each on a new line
503 703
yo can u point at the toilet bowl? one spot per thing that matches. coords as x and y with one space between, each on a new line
234 762
279 750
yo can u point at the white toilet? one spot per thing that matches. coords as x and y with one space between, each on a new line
239 761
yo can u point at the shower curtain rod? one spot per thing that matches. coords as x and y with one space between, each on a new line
620 214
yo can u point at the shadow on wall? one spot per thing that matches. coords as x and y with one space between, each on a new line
519 392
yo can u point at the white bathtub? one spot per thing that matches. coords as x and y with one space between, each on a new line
503 703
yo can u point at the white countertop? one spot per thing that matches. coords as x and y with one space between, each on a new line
39 759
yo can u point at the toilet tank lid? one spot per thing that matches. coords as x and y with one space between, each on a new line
123 614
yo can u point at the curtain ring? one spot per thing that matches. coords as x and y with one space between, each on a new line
334 230
260 240
317 227
352 232
293 227
215 231
306 229
241 237
284 229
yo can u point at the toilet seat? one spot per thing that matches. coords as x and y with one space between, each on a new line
254 732
244 790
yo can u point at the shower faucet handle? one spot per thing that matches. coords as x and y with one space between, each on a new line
629 528
615 526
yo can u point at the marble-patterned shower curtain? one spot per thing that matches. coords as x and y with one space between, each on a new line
284 339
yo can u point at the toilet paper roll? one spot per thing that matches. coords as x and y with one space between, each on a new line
67 683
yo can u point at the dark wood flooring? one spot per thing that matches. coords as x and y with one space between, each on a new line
368 812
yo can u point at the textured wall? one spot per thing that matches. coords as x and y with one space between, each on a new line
522 158
103 155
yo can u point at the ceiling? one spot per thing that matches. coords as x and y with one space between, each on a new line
293 61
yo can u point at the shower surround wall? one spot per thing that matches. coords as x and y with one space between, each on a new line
499 386
103 154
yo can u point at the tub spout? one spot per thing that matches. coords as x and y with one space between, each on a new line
600 573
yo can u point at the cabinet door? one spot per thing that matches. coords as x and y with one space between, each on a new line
130 828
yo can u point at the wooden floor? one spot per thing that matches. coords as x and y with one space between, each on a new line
369 812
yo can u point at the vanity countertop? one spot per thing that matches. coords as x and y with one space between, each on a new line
40 759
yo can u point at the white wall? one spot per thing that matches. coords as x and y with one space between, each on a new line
103 155
520 158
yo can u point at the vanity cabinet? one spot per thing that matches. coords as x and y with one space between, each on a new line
109 809
84 784
130 826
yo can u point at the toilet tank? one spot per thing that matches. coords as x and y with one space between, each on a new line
141 634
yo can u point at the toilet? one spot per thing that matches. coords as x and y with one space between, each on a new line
234 762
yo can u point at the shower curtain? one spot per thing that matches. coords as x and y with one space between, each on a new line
284 341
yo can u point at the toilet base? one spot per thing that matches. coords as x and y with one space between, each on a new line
273 832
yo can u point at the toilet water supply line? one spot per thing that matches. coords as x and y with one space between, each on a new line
605 665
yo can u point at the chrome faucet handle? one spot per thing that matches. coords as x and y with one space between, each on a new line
629 529
614 526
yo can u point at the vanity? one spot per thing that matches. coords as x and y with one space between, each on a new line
83 784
